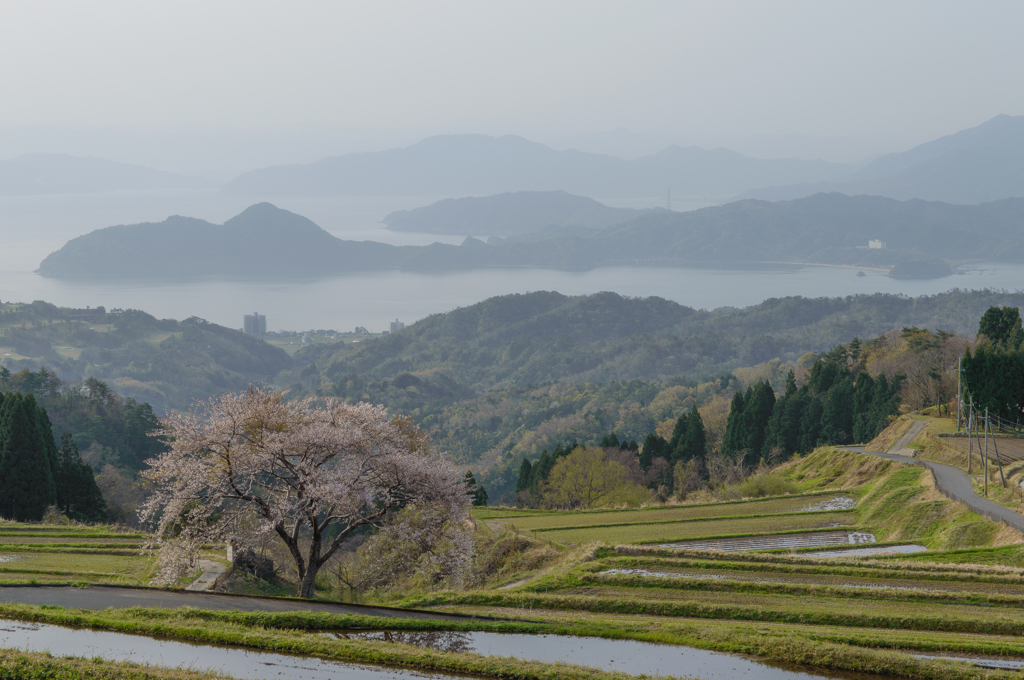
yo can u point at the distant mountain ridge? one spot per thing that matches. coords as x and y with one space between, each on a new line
264 241
480 165
510 214
41 173
977 165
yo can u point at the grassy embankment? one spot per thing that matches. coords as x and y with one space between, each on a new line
938 442
897 503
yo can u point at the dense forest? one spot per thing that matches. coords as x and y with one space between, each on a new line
523 340
495 382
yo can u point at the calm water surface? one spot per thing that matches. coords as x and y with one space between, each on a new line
238 663
372 299
623 655
32 227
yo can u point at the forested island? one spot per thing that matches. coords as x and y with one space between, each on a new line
510 214
824 228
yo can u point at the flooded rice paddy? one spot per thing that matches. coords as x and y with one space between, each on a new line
776 541
867 552
836 503
627 656
238 663
860 582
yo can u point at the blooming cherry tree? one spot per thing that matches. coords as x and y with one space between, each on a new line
252 464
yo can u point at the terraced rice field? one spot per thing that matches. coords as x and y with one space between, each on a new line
61 554
818 502
676 531
768 542
825 580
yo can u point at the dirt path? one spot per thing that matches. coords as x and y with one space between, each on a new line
902 445
955 485
103 597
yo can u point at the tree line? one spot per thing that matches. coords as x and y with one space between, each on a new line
839 403
35 473
994 372
110 428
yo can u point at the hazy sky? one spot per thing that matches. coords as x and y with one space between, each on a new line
858 68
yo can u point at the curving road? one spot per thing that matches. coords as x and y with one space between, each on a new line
956 485
103 597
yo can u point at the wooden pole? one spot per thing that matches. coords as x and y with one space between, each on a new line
986 451
999 460
970 441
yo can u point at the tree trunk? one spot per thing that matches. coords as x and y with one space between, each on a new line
307 587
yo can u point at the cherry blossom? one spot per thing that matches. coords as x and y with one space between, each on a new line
250 465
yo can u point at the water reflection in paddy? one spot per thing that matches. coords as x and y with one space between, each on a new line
627 656
238 663
864 552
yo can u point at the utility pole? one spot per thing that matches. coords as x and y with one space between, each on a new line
959 397
999 459
970 442
986 452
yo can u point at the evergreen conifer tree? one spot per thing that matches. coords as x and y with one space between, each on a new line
677 433
810 424
78 496
523 482
734 438
540 471
26 477
837 413
477 492
757 412
654 447
863 409
1002 326
693 445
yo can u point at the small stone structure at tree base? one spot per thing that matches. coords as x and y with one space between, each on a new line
245 558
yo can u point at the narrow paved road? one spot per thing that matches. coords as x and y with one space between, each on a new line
955 484
101 597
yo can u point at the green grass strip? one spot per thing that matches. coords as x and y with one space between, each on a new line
751 535
809 589
701 610
68 535
25 665
805 567
44 548
524 512
687 520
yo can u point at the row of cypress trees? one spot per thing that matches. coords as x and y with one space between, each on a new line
994 372
838 405
34 473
